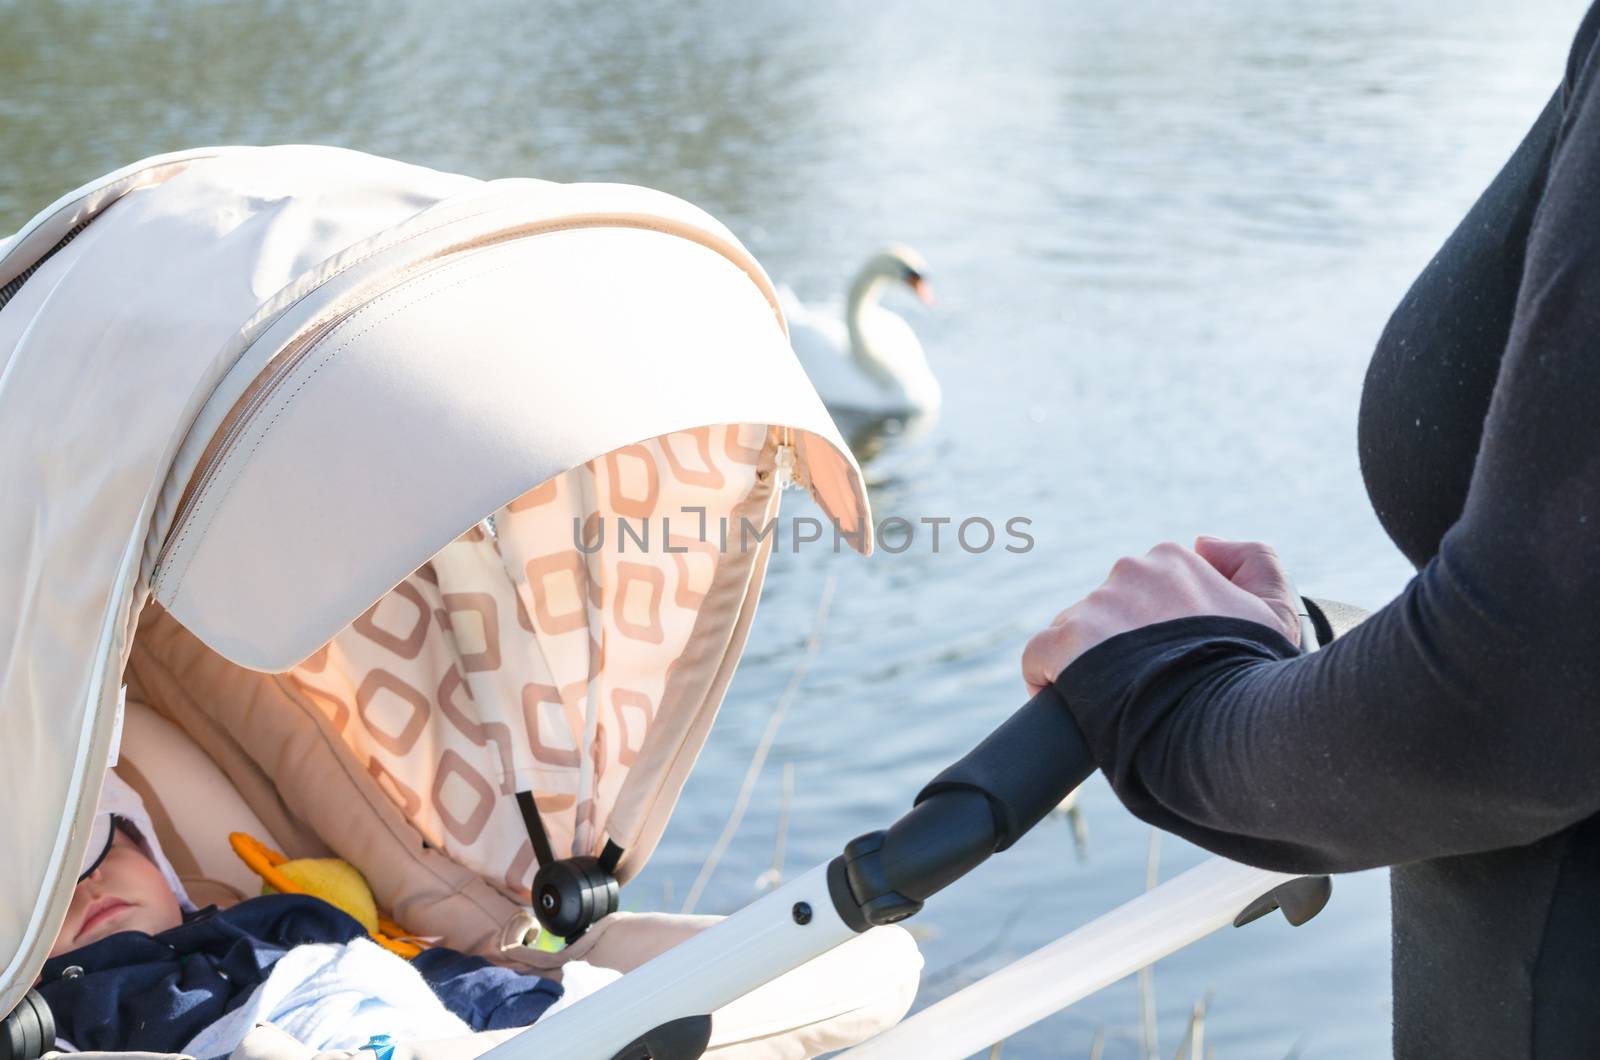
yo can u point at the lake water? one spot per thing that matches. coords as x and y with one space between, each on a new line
1164 238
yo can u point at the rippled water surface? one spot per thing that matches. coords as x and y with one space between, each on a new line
1164 238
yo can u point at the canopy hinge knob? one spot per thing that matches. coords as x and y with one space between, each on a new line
29 1031
571 894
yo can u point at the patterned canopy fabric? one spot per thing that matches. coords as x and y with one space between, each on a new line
537 652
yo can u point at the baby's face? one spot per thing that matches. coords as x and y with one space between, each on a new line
125 893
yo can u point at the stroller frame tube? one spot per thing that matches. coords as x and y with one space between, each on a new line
1130 937
772 935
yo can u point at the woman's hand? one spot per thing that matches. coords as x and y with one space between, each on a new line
1237 579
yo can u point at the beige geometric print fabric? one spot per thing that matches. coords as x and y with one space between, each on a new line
516 661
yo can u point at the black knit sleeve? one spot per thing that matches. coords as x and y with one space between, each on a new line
1465 715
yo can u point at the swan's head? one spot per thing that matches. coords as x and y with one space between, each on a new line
902 264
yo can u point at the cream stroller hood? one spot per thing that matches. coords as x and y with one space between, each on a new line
312 402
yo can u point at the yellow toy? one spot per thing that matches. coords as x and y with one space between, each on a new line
335 881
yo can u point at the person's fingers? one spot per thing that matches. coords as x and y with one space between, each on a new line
1255 568
1250 565
1239 578
1225 556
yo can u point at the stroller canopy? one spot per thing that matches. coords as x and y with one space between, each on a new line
484 470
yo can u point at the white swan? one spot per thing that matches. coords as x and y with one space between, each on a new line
869 364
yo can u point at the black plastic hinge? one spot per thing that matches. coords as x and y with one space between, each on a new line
861 895
1299 899
680 1039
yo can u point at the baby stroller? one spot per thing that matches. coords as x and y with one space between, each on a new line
420 520
326 458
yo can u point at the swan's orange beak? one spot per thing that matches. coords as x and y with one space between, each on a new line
920 288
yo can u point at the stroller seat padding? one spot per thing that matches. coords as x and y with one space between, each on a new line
191 802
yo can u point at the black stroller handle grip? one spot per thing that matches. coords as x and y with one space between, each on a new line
1024 768
977 807
986 801
1039 755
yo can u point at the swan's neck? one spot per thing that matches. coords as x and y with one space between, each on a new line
865 294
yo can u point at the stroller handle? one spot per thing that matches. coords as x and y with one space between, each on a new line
981 804
988 800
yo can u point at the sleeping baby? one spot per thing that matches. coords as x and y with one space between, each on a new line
135 966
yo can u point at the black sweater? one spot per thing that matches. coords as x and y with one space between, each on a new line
1456 734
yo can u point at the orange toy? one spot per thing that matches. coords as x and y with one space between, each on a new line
267 863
